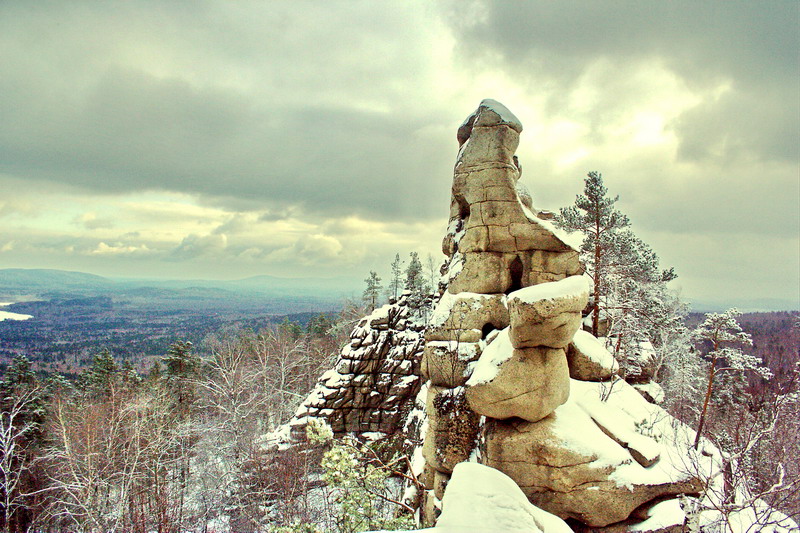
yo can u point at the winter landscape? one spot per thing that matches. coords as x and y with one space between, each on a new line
358 267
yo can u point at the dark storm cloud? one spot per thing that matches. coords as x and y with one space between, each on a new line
753 45
265 114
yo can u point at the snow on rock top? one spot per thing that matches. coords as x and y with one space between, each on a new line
573 286
506 116
670 438
480 498
592 348
572 240
487 367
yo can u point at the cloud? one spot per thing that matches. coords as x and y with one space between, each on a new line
208 140
750 47
200 245
179 110
91 221
119 248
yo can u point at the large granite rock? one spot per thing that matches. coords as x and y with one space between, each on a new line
503 244
567 465
528 383
374 379
548 314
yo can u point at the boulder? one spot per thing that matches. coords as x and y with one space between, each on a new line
568 466
528 383
457 313
588 359
548 314
446 363
479 498
661 516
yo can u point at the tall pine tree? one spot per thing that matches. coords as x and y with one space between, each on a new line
373 290
595 216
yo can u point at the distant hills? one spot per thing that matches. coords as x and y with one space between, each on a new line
749 305
291 294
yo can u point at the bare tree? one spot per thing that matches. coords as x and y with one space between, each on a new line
15 457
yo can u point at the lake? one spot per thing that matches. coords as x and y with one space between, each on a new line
7 315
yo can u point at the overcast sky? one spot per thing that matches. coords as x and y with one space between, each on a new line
226 139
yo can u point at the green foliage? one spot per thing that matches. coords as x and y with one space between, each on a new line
414 278
181 370
292 329
100 379
318 432
360 489
320 325
19 374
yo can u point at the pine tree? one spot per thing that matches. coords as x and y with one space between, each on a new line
397 272
630 290
22 416
725 335
596 217
101 378
414 280
181 369
373 289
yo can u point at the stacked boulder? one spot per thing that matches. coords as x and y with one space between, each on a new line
504 354
495 246
375 378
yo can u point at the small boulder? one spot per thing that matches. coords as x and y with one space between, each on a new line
547 314
588 359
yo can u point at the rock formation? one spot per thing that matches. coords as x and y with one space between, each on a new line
503 353
512 381
375 378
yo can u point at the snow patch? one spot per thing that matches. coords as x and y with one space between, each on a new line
661 516
497 353
573 286
591 347
505 115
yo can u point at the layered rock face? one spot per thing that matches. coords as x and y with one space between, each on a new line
375 378
503 353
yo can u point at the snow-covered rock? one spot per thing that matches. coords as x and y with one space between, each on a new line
588 358
568 465
373 381
548 314
481 499
526 383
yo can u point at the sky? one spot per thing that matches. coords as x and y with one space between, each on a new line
220 140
